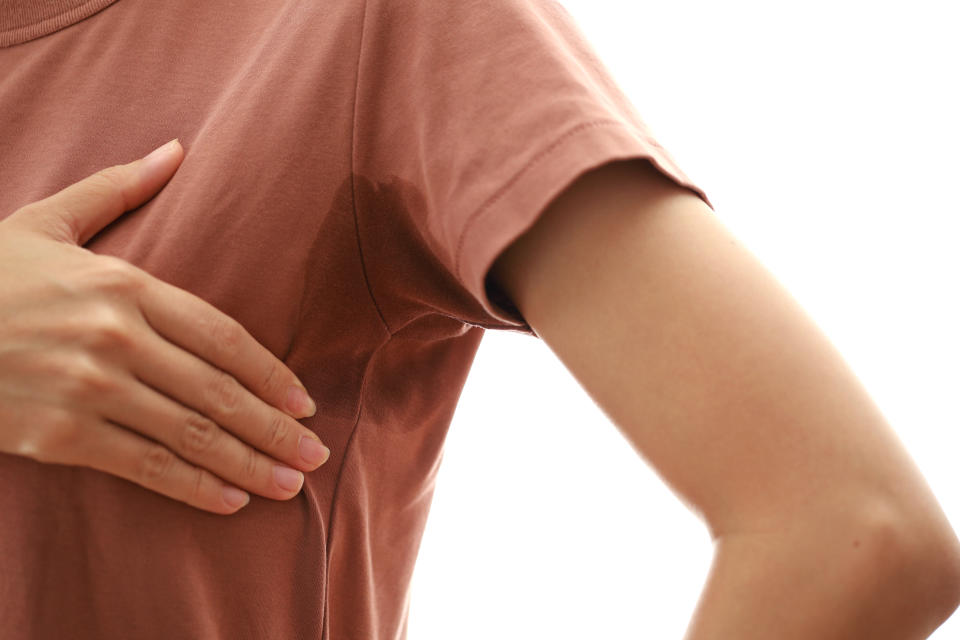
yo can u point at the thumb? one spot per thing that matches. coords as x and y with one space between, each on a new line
78 212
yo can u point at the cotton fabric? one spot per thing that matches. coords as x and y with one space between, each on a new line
352 170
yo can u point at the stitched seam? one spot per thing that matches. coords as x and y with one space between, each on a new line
51 24
324 625
353 183
338 484
488 204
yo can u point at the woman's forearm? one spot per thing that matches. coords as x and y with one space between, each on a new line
842 583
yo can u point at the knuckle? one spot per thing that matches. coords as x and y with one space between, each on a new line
196 493
273 380
109 183
63 220
57 439
225 394
198 434
251 463
278 432
226 335
114 275
157 464
85 379
109 329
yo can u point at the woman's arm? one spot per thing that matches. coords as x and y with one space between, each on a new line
823 527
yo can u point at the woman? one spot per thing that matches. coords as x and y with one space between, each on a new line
366 187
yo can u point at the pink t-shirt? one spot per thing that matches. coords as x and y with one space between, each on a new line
352 170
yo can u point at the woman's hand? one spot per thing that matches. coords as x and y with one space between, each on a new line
104 366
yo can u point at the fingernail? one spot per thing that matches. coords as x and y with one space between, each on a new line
235 497
299 403
160 152
157 161
312 450
288 479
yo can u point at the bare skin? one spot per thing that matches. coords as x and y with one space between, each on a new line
823 526
105 366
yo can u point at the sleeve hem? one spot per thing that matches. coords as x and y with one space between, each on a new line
514 208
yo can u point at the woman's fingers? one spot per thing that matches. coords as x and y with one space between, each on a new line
199 440
200 328
115 450
202 391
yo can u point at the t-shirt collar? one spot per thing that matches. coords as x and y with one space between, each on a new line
24 20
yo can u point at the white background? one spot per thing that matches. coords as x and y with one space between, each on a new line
826 135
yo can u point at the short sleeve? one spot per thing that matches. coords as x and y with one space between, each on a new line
471 117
